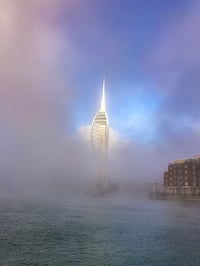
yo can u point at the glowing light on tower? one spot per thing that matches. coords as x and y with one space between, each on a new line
100 143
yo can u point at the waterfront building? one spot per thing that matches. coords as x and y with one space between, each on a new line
183 177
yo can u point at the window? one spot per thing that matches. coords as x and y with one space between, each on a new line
194 181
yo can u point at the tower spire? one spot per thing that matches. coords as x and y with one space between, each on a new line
103 99
100 144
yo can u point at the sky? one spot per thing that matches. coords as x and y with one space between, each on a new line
54 56
148 51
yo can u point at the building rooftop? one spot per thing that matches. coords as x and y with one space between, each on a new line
182 161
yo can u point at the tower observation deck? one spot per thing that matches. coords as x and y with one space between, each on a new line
100 144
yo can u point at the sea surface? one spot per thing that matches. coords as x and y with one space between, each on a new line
99 231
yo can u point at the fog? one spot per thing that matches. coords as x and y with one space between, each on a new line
34 98
40 152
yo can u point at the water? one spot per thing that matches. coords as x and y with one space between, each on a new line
99 232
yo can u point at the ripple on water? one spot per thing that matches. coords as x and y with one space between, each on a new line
140 233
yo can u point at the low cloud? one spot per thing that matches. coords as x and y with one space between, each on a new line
38 147
35 98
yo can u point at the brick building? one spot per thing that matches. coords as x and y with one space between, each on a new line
183 177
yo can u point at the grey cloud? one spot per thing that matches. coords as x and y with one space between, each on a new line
35 99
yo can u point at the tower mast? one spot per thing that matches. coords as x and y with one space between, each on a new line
103 98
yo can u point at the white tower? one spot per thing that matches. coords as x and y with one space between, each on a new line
100 143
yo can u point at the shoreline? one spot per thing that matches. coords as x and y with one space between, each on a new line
162 196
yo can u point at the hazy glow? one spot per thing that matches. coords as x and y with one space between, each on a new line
103 99
114 138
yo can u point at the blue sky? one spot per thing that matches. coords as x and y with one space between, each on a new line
128 42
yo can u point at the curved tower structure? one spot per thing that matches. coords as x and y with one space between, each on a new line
100 144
